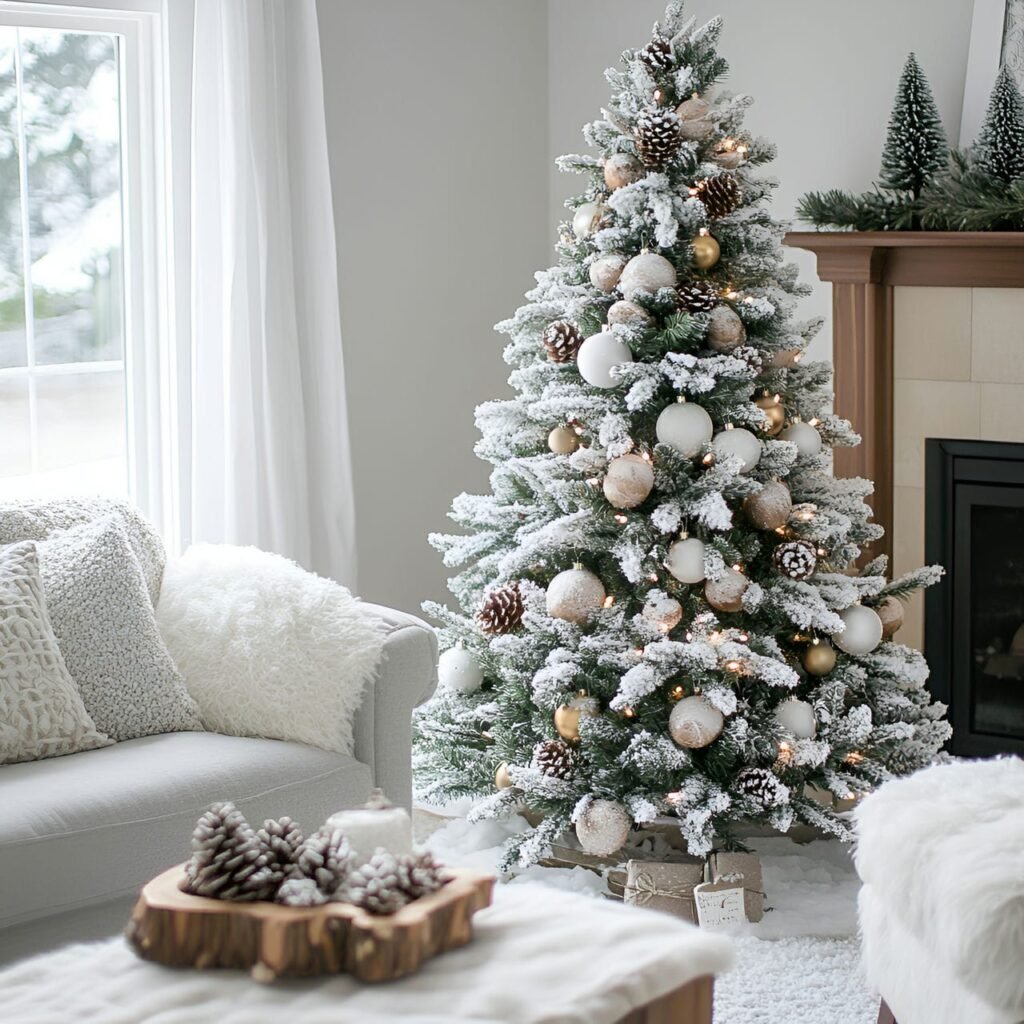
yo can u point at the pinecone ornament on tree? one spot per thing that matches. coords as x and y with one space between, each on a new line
763 785
502 610
377 886
281 840
554 758
326 858
420 875
228 861
720 195
796 559
562 341
659 135
657 54
697 297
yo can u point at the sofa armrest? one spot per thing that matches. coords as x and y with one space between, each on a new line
406 677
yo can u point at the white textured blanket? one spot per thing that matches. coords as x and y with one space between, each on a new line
540 956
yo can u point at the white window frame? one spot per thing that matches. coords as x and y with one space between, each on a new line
148 351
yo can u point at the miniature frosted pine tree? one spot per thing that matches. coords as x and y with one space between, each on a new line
662 575
999 150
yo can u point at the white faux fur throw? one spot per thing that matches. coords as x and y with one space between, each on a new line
943 852
266 648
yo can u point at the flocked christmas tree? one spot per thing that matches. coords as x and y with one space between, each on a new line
659 614
1000 145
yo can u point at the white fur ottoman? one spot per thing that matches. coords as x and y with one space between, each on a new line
941 856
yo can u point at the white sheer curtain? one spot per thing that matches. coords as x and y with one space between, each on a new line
264 438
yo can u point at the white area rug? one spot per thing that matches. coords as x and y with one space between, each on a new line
799 965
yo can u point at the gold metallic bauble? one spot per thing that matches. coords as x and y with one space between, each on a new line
567 716
820 658
502 780
706 252
890 611
563 440
774 414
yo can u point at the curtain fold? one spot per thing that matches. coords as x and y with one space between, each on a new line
268 448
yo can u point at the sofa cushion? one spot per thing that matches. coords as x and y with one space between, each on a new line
92 826
41 712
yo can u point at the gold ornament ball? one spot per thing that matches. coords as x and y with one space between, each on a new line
567 716
706 252
726 593
820 658
890 611
563 440
502 779
774 415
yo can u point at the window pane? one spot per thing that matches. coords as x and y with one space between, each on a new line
13 350
16 443
70 96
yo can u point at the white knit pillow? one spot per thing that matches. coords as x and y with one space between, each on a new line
41 713
266 648
104 621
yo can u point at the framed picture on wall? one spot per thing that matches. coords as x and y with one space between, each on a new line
997 38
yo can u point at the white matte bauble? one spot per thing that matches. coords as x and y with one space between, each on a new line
684 426
863 632
622 169
587 219
574 595
458 669
629 314
662 612
694 723
804 436
725 329
628 482
646 273
738 442
796 717
686 560
606 271
603 827
598 354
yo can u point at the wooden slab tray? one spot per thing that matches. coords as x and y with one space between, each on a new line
178 929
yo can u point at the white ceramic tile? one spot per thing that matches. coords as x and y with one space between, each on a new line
932 333
1002 411
997 331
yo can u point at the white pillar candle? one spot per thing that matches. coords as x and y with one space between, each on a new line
378 823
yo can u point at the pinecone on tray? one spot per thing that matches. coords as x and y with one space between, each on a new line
282 839
326 858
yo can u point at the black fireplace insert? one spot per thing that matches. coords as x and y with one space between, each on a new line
974 618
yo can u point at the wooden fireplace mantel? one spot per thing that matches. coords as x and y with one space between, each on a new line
863 268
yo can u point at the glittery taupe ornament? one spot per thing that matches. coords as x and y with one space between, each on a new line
606 271
562 341
646 272
574 595
628 481
890 611
694 723
725 329
622 169
502 610
796 559
769 509
629 314
603 827
726 593
693 117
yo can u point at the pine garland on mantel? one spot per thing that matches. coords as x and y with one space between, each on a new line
926 186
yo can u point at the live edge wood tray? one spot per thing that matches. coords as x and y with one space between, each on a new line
177 929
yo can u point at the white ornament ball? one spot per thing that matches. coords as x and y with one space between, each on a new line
629 314
685 426
804 436
628 482
647 273
603 827
606 271
598 354
458 669
694 723
725 329
662 612
738 442
796 717
574 595
863 632
622 169
686 560
587 219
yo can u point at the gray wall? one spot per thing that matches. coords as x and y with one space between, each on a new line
437 122
444 117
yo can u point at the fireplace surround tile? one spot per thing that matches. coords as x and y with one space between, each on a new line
933 326
1002 411
997 333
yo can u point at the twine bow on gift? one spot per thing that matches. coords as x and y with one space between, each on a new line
642 889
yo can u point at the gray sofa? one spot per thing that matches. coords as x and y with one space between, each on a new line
80 834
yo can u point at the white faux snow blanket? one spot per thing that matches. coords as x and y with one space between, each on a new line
540 956
266 648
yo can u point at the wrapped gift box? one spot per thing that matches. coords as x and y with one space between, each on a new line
743 869
665 885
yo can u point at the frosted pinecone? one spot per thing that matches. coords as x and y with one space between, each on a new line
376 886
502 611
420 875
281 840
658 137
697 297
657 54
300 892
228 860
562 340
554 758
796 559
720 195
764 786
326 858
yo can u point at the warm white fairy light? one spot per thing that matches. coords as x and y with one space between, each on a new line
621 519
675 799
609 601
